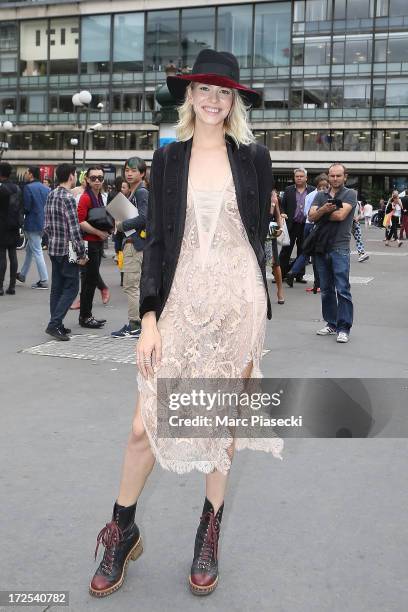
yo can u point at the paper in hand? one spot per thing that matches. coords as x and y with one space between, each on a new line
122 209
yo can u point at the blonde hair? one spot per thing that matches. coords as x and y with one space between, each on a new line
235 125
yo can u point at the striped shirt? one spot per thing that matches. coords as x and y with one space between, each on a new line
61 223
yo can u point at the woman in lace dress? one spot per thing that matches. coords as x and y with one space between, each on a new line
203 304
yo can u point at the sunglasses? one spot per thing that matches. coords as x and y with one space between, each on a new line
94 178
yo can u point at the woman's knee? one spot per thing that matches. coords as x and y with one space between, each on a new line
138 432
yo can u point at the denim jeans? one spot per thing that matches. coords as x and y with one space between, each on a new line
64 287
34 249
298 267
337 305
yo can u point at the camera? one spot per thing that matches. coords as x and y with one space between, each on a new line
336 201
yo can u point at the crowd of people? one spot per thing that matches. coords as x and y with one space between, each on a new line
56 218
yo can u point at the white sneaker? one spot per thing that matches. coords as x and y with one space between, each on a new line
326 331
363 257
342 337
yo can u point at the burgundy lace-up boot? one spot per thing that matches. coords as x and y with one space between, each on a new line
204 570
122 542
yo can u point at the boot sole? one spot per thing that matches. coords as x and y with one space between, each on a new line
197 590
133 554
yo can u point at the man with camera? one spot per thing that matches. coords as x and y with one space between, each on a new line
336 206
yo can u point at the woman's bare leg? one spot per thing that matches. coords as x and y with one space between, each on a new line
138 462
277 273
216 482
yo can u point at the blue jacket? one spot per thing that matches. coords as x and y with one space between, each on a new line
140 200
35 196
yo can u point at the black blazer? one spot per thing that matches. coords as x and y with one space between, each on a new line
288 205
252 174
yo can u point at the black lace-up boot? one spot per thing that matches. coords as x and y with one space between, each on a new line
204 570
122 542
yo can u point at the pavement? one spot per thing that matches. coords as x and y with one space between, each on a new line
323 530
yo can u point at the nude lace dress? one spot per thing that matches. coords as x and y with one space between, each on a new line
212 325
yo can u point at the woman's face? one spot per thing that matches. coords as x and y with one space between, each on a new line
95 180
125 189
211 103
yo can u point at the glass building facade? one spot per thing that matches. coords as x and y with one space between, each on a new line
333 75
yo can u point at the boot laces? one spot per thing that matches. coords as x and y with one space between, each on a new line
210 541
109 536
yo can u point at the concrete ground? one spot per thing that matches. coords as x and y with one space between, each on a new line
323 530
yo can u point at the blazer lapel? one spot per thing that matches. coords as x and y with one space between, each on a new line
246 185
238 176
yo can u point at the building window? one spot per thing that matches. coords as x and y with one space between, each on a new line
235 32
128 42
357 140
7 104
316 140
59 103
8 48
340 9
162 39
396 140
278 140
398 47
358 50
338 52
360 9
127 102
317 52
378 96
197 33
8 65
357 94
134 140
272 34
312 95
380 49
95 44
398 8
397 92
318 10
382 8
336 143
101 141
276 96
38 38
62 36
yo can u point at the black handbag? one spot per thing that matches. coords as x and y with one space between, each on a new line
100 219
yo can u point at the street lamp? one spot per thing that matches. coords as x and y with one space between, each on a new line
74 144
4 145
81 100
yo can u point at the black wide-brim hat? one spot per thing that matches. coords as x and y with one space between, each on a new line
212 68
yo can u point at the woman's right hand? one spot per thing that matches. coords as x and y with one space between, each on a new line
149 346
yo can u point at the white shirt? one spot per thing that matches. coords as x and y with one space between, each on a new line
368 210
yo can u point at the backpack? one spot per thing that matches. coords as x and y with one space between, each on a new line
15 217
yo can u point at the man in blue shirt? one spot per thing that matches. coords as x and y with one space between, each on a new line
34 196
